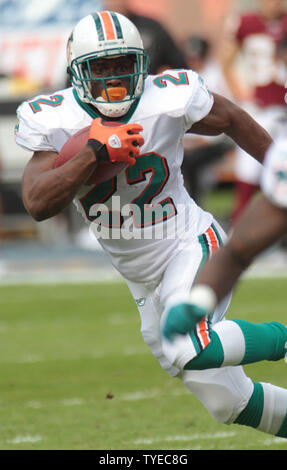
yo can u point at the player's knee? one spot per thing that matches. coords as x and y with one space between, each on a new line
154 343
221 413
224 393
220 404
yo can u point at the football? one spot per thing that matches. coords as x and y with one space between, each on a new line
104 170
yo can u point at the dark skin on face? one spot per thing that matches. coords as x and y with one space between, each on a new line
261 225
114 67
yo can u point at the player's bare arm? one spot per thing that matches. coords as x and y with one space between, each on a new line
48 190
252 235
226 117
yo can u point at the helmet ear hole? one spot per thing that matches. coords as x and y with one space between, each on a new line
106 35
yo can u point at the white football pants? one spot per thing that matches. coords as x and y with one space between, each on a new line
224 391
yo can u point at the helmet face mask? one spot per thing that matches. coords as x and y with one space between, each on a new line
85 48
82 72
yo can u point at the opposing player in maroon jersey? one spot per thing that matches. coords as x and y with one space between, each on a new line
260 84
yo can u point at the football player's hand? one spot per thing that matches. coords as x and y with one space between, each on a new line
181 319
119 143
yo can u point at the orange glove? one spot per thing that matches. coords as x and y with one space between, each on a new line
118 143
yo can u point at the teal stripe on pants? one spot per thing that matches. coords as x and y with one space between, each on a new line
205 254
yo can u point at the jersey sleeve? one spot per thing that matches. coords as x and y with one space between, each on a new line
274 174
200 101
30 132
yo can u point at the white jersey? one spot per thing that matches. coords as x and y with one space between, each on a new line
164 218
274 174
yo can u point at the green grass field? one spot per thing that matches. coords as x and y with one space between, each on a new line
76 374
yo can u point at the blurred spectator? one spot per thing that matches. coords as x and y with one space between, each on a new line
161 48
282 53
22 85
199 57
252 40
202 152
33 37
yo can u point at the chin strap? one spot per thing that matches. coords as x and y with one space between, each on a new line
113 109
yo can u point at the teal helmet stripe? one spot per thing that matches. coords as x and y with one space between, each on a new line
99 27
117 24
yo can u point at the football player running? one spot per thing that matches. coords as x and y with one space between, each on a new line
110 82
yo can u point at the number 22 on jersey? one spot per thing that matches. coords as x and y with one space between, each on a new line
143 211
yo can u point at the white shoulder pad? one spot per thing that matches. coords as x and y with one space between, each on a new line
274 174
29 133
37 119
177 93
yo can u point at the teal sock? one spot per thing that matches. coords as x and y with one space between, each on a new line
283 429
239 342
235 342
211 357
263 341
252 413
266 410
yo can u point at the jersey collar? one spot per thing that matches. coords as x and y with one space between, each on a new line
94 114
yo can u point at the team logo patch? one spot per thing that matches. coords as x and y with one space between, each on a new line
141 302
114 142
